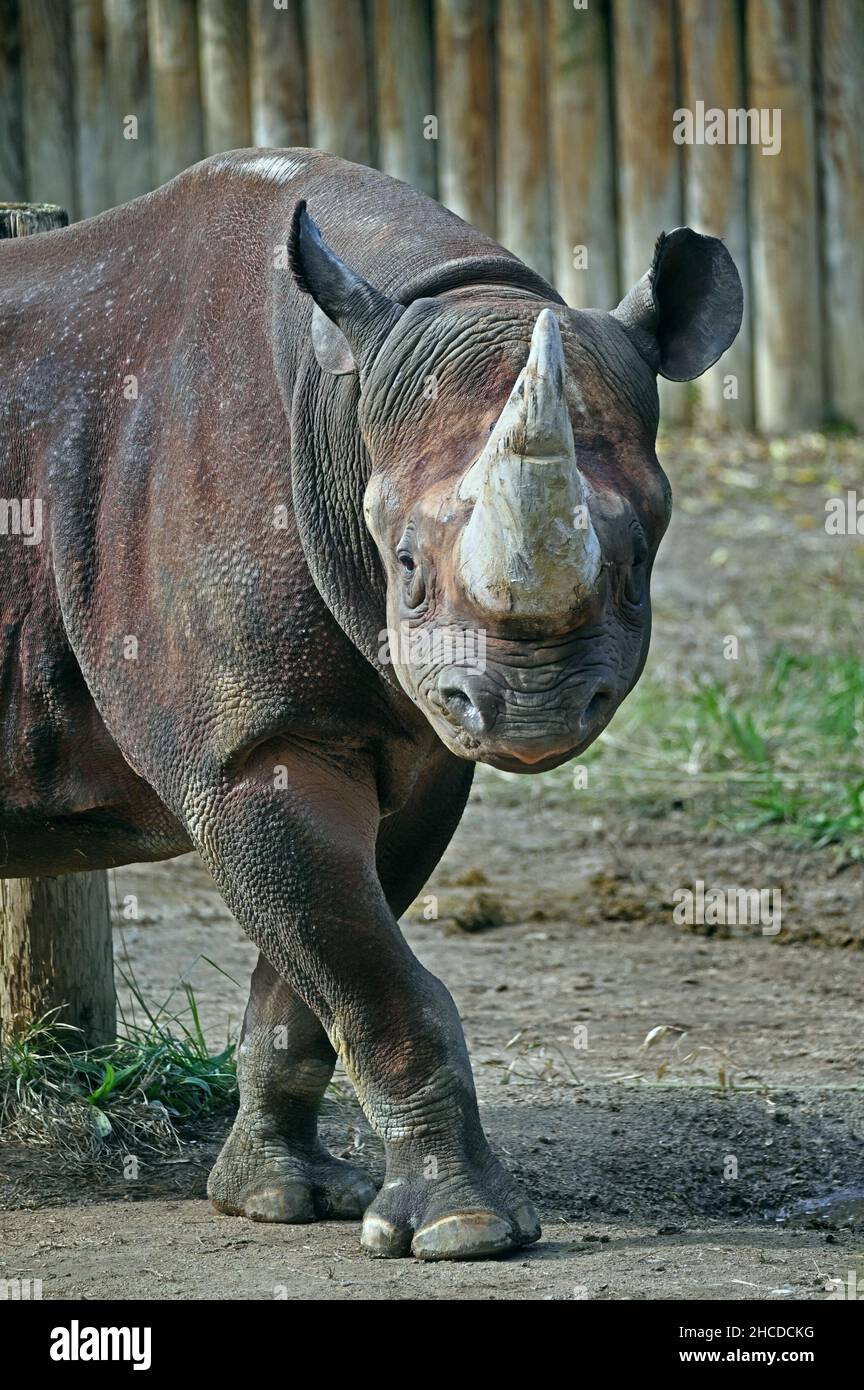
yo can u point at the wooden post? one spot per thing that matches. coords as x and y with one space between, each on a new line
523 176
49 119
55 952
55 933
277 71
785 250
405 71
91 107
581 133
716 187
13 182
842 152
130 131
466 158
649 164
224 74
338 78
26 219
173 37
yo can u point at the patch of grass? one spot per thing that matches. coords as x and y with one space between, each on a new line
131 1094
716 1058
783 749
838 427
780 747
536 1057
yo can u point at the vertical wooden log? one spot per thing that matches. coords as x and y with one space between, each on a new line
55 933
224 74
716 187
56 953
176 90
26 219
581 133
785 250
49 118
405 76
523 174
466 153
91 107
13 178
339 108
649 164
842 124
277 74
130 132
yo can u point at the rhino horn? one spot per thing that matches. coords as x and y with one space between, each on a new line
529 549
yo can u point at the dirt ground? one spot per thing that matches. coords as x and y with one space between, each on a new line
722 1161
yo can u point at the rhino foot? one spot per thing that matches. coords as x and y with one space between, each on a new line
469 1218
265 1179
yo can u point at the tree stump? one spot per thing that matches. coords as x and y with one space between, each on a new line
55 933
56 953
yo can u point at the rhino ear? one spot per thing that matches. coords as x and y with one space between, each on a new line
352 318
686 310
330 345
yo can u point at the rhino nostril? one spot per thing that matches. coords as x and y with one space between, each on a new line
599 707
471 710
455 699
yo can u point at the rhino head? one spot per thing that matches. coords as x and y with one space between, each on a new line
515 497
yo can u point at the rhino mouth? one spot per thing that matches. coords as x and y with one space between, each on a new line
519 766
514 730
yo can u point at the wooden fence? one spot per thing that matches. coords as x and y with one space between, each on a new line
547 122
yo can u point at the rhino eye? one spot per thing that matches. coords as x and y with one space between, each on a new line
413 587
634 585
635 581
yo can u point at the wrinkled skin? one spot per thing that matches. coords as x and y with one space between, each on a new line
191 655
549 688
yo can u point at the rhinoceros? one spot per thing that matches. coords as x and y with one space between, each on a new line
264 451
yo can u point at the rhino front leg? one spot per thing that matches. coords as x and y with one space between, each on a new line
273 1167
298 869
